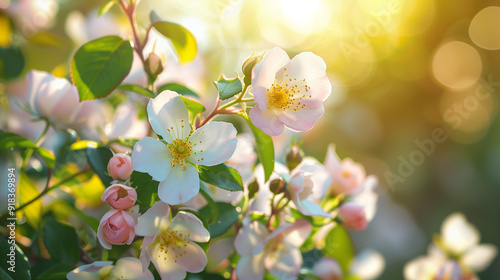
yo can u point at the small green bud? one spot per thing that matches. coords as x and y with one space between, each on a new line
294 157
277 186
153 65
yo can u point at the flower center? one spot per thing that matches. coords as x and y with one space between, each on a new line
286 93
174 240
180 150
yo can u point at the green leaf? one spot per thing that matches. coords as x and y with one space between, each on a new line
27 190
99 159
21 263
194 107
11 63
228 215
105 8
228 87
183 41
146 188
91 221
99 66
10 140
56 272
338 245
137 89
265 149
61 241
221 176
83 144
180 89
210 201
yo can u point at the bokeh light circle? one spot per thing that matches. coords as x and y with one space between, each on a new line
456 65
483 29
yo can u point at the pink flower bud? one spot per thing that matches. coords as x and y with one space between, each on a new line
120 196
353 216
116 227
120 167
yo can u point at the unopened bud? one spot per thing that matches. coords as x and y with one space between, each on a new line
294 157
277 186
153 65
248 67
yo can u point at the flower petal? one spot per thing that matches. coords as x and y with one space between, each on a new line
166 265
155 219
166 112
267 121
458 234
153 157
214 143
250 267
146 251
312 68
368 265
310 208
301 120
332 160
284 265
91 271
131 269
264 74
190 257
319 175
180 185
479 258
190 224
248 237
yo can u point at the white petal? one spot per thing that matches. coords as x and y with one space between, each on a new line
264 74
479 257
303 119
310 208
284 264
126 124
153 157
189 257
214 143
311 67
319 175
250 267
90 271
332 160
298 233
368 265
458 234
156 218
180 185
218 252
368 198
248 237
130 269
146 251
166 112
267 121
421 268
189 224
166 266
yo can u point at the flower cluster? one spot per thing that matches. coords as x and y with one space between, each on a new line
455 253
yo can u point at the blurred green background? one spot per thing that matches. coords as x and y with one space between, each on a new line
400 69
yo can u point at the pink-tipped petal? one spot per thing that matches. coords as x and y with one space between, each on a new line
166 266
190 257
189 224
267 121
303 119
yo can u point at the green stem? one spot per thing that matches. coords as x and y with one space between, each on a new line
29 151
46 190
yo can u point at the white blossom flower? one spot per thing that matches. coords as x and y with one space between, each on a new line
125 268
289 92
53 98
456 254
277 252
172 161
168 242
